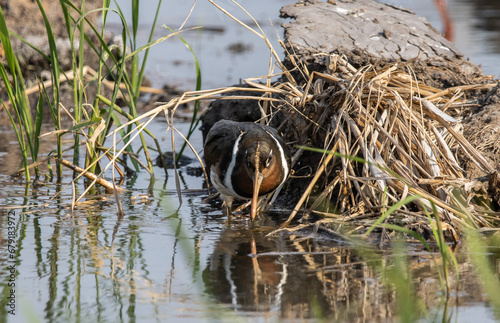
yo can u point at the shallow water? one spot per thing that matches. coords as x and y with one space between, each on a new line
166 261
184 263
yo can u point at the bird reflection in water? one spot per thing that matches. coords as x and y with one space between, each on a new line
255 273
236 274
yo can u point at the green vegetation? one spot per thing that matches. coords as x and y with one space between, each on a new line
92 117
27 130
93 122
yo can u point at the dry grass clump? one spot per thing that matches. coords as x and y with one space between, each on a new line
383 136
389 144
396 139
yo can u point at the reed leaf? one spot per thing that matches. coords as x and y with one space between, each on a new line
194 117
16 92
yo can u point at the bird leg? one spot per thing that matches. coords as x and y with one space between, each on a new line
227 204
226 209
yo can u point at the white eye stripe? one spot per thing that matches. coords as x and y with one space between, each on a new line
268 160
284 164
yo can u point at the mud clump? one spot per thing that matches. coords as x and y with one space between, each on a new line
422 118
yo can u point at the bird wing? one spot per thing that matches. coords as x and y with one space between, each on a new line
220 141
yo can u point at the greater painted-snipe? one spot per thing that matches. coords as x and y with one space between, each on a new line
246 160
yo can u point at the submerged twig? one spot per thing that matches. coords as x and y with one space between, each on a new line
99 180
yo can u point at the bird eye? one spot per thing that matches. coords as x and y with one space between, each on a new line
268 160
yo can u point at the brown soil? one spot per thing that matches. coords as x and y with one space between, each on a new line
33 30
33 65
28 11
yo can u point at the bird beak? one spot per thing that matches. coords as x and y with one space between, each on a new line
257 181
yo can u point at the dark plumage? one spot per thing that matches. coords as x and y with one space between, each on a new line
245 160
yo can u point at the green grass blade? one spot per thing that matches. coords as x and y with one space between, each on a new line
194 118
408 232
391 210
38 126
16 92
408 303
88 123
6 44
103 51
67 19
135 59
105 5
478 253
54 61
20 139
8 87
53 112
56 119
100 52
54 57
135 19
150 39
30 45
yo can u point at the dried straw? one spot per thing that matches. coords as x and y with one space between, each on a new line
408 144
394 138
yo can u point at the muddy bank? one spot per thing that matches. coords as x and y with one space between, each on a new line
368 33
33 31
36 68
342 54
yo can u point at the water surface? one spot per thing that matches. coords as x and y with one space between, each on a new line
186 262
166 261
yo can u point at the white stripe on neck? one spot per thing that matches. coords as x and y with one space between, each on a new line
227 177
284 164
